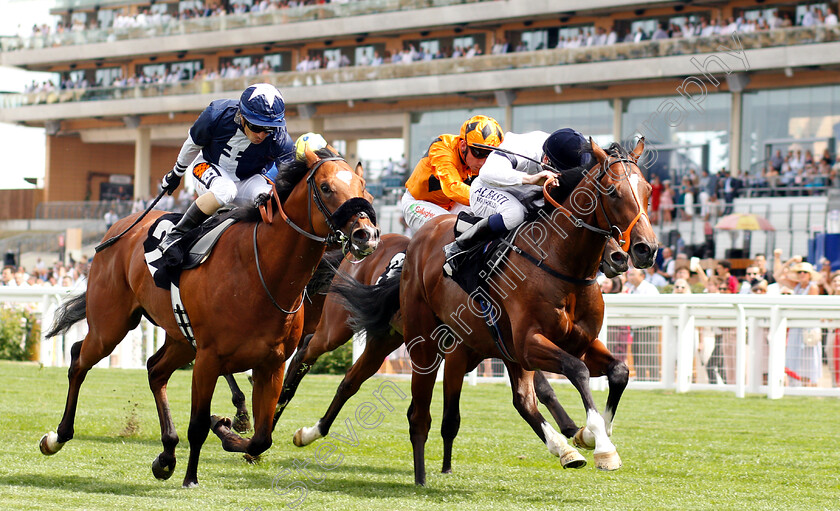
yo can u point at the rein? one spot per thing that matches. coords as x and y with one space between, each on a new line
262 279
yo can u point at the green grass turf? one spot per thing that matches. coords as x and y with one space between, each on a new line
689 451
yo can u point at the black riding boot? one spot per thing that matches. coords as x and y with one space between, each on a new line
478 233
171 251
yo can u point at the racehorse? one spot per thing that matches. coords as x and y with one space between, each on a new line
334 331
255 267
551 321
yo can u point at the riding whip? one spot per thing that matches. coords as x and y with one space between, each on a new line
110 241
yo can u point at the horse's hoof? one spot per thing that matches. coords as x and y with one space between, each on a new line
580 441
162 472
49 444
298 439
242 423
217 422
191 484
572 459
252 460
607 461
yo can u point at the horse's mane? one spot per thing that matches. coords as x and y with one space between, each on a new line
289 174
571 178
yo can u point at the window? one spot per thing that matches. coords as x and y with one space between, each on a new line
535 40
105 77
430 47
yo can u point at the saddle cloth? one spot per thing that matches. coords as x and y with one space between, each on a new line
199 242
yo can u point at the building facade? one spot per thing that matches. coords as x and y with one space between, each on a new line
710 84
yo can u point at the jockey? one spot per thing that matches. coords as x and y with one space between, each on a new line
230 146
439 184
494 194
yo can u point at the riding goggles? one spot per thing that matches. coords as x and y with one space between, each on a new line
480 153
260 129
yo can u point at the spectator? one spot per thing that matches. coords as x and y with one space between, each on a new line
644 344
681 287
723 273
803 356
110 218
652 276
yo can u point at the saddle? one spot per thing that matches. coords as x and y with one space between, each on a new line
198 244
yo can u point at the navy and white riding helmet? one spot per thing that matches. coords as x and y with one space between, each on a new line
262 104
564 148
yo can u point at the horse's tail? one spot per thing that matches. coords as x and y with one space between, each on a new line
325 271
371 307
69 313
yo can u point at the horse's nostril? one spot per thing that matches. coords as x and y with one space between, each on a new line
361 235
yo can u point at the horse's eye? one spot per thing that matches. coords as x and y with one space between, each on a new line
325 187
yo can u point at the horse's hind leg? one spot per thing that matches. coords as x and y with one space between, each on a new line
97 344
160 366
242 421
458 363
525 402
548 398
366 366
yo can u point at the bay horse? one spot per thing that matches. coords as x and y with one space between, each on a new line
255 267
333 331
549 323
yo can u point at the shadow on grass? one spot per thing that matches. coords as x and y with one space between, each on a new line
80 484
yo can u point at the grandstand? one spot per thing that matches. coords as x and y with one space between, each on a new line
712 84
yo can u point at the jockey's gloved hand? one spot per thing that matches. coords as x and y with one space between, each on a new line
171 180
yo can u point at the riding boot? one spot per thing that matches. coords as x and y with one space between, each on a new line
475 235
169 247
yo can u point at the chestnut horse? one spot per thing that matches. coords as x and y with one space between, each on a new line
551 321
255 267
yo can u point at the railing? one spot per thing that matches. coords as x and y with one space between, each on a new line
60 210
450 66
774 345
223 22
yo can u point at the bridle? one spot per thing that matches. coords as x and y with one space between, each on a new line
356 207
623 236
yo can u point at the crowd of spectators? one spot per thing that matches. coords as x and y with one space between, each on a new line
59 274
585 37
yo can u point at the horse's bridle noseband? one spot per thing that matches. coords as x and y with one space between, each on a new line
623 237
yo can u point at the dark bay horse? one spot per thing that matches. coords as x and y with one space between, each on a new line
545 307
231 299
333 331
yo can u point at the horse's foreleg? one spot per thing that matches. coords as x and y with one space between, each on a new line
160 366
600 361
267 385
366 366
242 421
541 352
305 356
205 375
458 363
548 398
268 382
525 402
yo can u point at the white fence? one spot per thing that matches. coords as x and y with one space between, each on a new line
774 345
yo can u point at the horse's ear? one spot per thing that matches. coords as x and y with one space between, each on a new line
639 149
311 157
360 171
599 153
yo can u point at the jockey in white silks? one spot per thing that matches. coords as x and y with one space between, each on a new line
505 177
